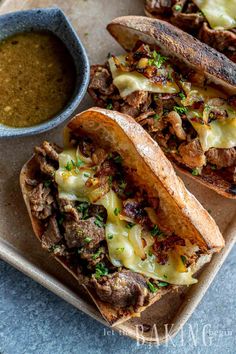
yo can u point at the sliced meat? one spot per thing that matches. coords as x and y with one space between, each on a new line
190 22
122 289
101 80
137 98
107 168
65 205
52 234
129 110
186 15
192 154
232 100
161 247
159 7
222 157
92 256
45 167
47 157
83 233
41 201
176 122
95 209
224 41
99 156
49 150
135 211
31 182
232 172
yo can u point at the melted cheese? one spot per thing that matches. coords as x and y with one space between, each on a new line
221 14
124 244
71 185
129 82
218 134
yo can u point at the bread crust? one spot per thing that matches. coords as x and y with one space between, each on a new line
177 44
121 132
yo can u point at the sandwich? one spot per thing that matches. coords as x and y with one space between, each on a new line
110 208
212 22
180 90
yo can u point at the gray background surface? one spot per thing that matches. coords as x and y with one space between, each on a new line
33 320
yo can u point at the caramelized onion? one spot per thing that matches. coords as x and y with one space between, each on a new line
152 215
81 157
135 237
98 193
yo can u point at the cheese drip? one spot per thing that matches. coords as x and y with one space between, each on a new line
221 14
125 245
217 134
129 82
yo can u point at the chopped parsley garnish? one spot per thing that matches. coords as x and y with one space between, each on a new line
101 270
178 7
169 76
162 284
213 167
195 171
180 110
152 287
97 254
183 259
69 166
122 185
47 183
165 276
99 221
182 95
87 239
86 174
110 237
109 106
150 253
156 231
157 60
156 97
83 208
129 225
118 159
156 116
79 163
117 211
72 164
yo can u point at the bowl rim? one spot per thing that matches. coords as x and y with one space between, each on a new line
67 112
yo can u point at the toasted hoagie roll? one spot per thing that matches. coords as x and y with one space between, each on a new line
112 211
212 22
180 90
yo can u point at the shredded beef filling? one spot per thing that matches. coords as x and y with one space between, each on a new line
162 114
75 231
186 15
123 289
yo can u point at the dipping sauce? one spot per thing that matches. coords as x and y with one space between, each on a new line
37 76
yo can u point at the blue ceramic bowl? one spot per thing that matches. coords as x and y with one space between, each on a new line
53 20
